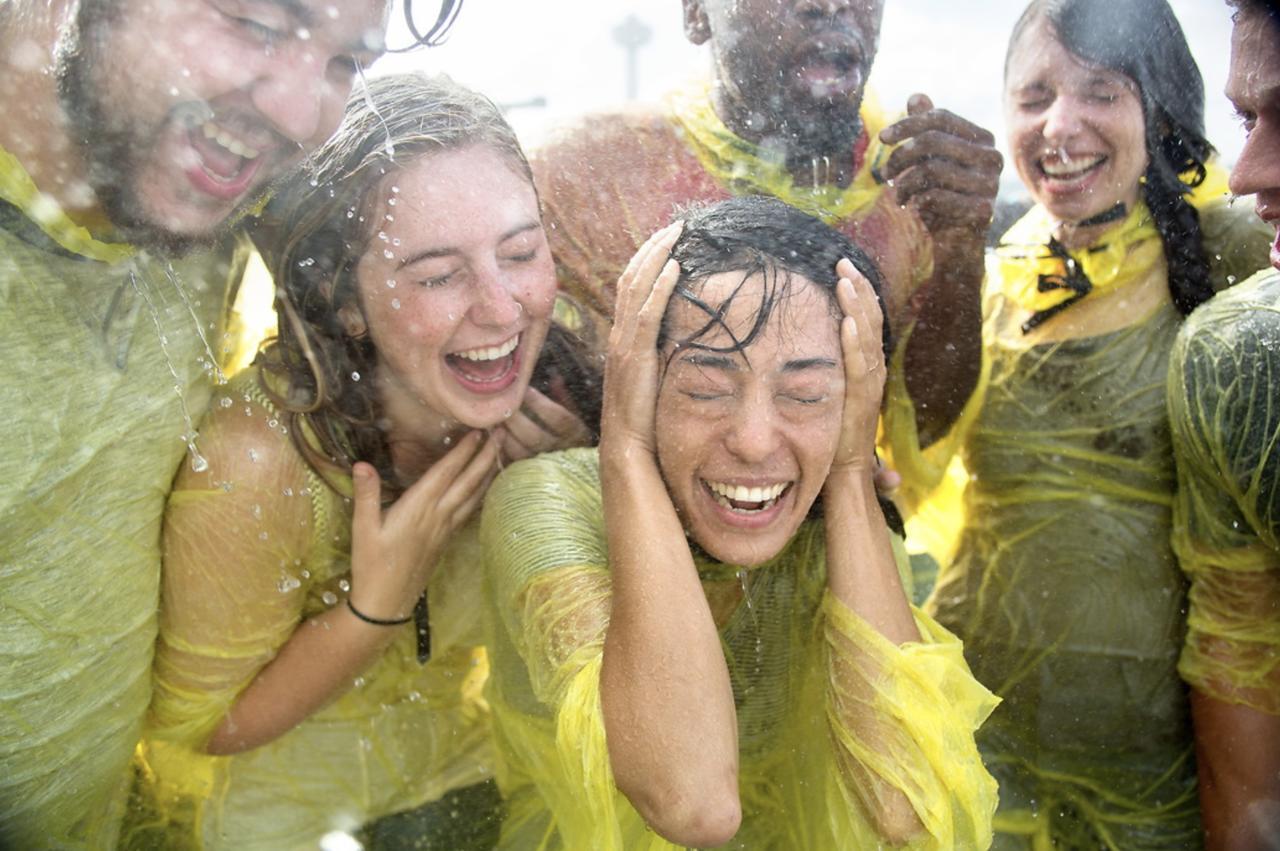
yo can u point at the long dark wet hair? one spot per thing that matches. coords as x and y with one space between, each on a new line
324 222
1143 40
757 235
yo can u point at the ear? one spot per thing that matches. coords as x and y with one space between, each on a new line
696 26
352 321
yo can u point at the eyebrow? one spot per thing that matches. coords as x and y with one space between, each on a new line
448 251
724 362
809 363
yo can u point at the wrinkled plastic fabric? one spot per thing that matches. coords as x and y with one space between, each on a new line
102 350
1224 410
256 548
610 180
1058 575
828 710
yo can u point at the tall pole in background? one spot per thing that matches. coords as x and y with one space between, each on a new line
631 35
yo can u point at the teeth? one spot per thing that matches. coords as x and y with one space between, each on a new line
740 493
224 138
492 352
1069 167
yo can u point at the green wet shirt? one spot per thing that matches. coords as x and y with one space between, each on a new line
103 369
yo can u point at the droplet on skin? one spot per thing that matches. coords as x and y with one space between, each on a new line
355 376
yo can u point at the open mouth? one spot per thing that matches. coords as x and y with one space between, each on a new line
1063 168
831 70
741 499
226 162
486 367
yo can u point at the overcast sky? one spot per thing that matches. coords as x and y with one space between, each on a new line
564 52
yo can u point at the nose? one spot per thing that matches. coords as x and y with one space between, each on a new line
753 435
298 96
1061 120
494 300
1258 167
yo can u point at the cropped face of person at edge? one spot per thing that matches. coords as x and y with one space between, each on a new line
1253 87
745 439
187 109
1076 130
456 291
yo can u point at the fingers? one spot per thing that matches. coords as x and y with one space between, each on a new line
366 492
940 151
862 329
554 425
922 120
637 280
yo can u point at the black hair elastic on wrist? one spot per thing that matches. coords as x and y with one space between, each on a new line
376 621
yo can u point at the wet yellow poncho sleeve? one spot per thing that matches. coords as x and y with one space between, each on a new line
806 672
1224 410
107 358
1056 570
252 548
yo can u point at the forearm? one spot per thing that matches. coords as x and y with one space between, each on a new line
667 701
863 575
318 663
944 351
1238 758
861 569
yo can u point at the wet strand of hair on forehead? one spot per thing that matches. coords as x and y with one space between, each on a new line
769 273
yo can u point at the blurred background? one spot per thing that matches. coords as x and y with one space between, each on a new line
547 62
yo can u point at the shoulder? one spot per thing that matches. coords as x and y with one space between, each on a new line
1245 318
548 483
245 443
1236 241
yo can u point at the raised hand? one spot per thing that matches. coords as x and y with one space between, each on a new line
862 346
948 170
394 552
631 373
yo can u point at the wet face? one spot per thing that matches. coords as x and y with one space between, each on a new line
745 449
456 288
1076 130
795 62
1254 89
187 109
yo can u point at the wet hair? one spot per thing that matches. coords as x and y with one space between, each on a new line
1143 40
325 221
755 235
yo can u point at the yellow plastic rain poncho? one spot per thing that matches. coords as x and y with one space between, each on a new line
264 546
107 357
1061 582
802 768
1225 414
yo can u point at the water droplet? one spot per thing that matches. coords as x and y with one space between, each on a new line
391 202
391 283
355 376
198 462
395 304
389 254
344 584
253 456
225 401
329 598
303 34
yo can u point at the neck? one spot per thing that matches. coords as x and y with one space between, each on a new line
35 130
416 435
1089 231
819 151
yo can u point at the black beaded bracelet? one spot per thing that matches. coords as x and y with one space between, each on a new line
376 621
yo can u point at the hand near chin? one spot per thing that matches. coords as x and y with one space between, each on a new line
948 170
632 367
394 551
541 425
861 343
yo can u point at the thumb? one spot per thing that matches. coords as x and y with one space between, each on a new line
366 488
918 103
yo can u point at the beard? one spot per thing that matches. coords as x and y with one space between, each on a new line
113 142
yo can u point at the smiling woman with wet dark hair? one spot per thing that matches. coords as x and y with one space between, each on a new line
682 653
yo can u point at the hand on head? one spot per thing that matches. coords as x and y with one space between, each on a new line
862 347
632 369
